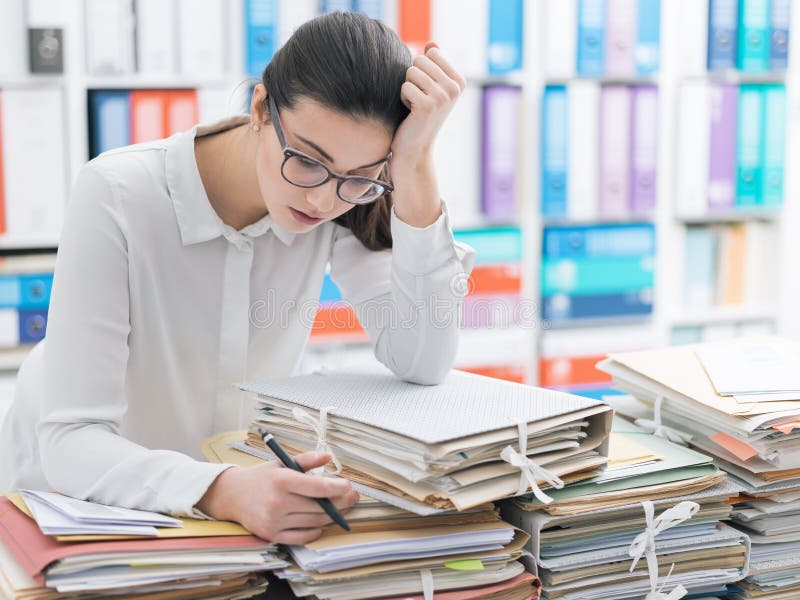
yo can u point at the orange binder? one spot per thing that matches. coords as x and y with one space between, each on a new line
337 321
495 279
414 23
183 111
148 115
571 370
507 372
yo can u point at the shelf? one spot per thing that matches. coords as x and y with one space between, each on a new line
724 314
737 77
734 216
27 243
566 222
11 358
548 325
32 81
135 82
604 80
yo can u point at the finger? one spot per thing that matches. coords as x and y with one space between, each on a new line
296 537
305 521
411 95
423 81
436 55
433 70
303 504
450 86
430 45
314 486
312 460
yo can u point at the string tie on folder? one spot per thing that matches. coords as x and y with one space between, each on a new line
656 427
320 427
427 583
529 470
645 544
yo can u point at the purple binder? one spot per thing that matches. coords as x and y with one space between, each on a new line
615 151
644 149
722 151
500 129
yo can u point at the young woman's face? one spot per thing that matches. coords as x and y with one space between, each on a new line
342 143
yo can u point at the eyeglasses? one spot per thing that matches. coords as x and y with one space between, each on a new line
305 171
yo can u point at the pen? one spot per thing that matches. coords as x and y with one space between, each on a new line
289 462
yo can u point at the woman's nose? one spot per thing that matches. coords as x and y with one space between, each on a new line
323 197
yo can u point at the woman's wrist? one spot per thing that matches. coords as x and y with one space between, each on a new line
217 502
416 196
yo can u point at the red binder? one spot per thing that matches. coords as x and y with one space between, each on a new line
414 23
148 115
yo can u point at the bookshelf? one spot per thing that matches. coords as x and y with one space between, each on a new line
527 342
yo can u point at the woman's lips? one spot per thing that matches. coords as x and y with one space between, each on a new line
303 217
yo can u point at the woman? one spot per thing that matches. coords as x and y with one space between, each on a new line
191 263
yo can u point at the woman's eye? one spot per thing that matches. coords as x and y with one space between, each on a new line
307 163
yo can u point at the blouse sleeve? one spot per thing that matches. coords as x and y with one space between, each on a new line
408 299
85 357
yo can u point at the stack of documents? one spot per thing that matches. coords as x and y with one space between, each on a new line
199 559
641 466
57 514
585 556
740 403
449 446
393 552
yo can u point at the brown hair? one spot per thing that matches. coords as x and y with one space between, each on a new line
354 65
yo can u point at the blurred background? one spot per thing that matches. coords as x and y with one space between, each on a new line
621 166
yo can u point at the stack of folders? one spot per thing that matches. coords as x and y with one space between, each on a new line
95 551
740 403
456 445
392 553
582 541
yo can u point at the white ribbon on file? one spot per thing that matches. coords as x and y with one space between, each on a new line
656 427
320 427
529 470
427 583
645 544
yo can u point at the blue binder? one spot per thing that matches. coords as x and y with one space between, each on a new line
371 8
591 37
774 144
624 239
32 326
646 53
330 292
780 15
109 120
749 146
722 27
554 152
505 36
334 5
261 34
753 47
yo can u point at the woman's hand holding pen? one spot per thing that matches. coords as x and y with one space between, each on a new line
275 503
430 91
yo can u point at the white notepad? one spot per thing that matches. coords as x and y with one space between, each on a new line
464 404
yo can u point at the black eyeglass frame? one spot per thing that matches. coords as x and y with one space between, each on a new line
289 152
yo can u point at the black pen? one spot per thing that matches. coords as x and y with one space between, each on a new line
289 462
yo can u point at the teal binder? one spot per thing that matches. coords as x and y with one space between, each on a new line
774 144
749 146
753 49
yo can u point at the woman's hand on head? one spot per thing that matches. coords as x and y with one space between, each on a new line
430 91
275 503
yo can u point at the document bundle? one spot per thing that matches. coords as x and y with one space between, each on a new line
739 403
391 552
187 558
585 540
467 441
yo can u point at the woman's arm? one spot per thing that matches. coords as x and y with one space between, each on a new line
83 454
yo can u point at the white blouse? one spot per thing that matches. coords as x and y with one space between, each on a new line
158 307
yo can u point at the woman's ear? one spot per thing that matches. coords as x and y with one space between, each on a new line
258 105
